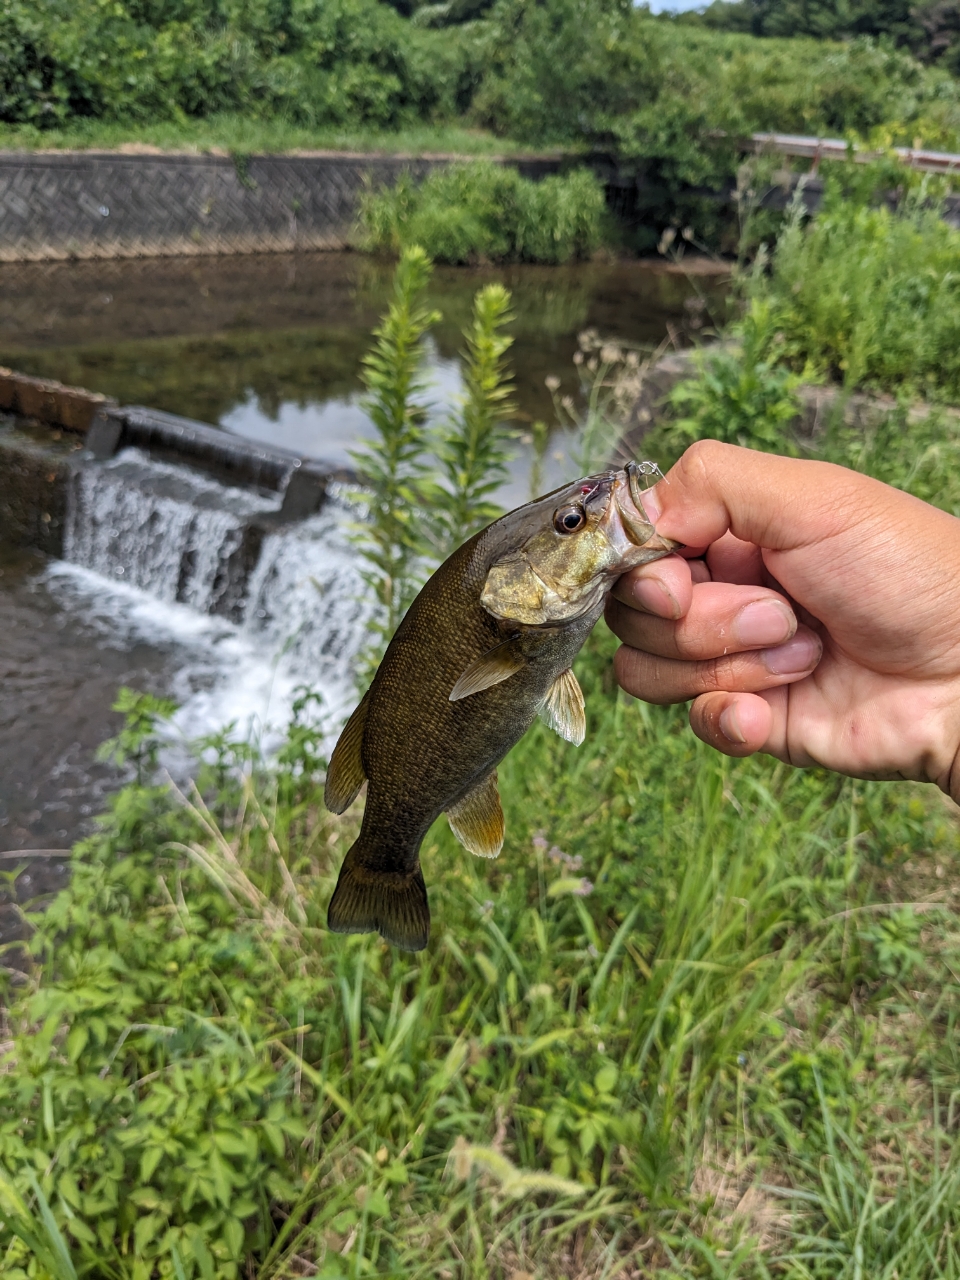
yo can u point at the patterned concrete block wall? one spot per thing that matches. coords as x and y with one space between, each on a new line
87 204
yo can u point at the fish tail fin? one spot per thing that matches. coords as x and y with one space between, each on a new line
391 903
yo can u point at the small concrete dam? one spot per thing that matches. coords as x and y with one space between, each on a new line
178 559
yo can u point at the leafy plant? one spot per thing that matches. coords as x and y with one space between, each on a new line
482 211
472 451
742 394
389 539
868 295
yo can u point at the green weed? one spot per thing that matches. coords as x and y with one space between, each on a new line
489 213
868 295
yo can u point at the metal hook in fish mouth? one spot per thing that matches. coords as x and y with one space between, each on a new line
634 471
655 543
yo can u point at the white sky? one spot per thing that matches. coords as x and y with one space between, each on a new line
676 6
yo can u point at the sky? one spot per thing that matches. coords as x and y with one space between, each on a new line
675 6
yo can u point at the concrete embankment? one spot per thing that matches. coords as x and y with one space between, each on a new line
89 204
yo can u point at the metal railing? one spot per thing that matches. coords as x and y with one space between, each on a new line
790 144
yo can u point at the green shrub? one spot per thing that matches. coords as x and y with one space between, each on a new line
488 212
741 395
869 296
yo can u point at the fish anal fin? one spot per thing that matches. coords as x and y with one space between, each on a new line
391 903
345 774
497 664
477 819
563 708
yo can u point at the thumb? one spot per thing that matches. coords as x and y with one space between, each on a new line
776 503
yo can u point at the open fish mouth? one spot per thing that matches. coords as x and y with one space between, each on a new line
636 524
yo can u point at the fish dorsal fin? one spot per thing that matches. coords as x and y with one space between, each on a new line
563 709
498 663
345 774
477 819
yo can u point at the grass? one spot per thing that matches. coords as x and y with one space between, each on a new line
867 295
481 212
630 1048
232 133
698 1020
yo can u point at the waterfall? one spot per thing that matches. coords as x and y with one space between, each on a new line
254 608
170 532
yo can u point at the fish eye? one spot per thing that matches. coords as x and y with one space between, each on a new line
568 519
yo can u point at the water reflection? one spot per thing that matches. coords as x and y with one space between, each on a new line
271 346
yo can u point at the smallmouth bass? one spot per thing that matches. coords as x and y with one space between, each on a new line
487 645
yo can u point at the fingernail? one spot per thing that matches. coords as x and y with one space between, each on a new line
730 725
799 654
654 597
764 622
651 503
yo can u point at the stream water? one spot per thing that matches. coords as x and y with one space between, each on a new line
149 593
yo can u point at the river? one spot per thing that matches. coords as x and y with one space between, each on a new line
269 347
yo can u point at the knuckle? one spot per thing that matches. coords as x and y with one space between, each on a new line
700 459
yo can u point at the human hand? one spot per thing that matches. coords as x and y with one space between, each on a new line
813 615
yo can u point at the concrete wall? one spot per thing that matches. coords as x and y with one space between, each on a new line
89 204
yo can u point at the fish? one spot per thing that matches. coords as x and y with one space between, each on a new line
486 647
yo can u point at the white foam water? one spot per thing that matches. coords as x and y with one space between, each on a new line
171 532
147 552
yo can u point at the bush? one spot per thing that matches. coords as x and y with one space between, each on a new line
487 212
870 296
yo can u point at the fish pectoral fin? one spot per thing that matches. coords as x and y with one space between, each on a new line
497 664
345 774
563 708
391 903
477 819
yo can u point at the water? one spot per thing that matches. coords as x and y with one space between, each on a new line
153 552
180 586
271 346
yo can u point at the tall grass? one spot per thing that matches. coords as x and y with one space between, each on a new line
696 1021
869 296
484 212
198 1065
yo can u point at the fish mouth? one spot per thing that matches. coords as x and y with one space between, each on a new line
634 521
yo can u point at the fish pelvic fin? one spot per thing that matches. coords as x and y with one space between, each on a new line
563 708
498 663
346 774
391 903
477 819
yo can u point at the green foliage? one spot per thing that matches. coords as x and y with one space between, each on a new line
487 212
428 489
472 452
391 467
930 30
202 1081
741 394
869 296
655 94
137 740
353 61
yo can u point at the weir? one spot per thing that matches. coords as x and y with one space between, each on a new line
251 541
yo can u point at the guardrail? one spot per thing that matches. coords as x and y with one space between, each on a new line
790 144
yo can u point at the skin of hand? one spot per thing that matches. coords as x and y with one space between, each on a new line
814 614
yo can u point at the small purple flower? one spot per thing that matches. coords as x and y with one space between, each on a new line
556 854
539 841
585 890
